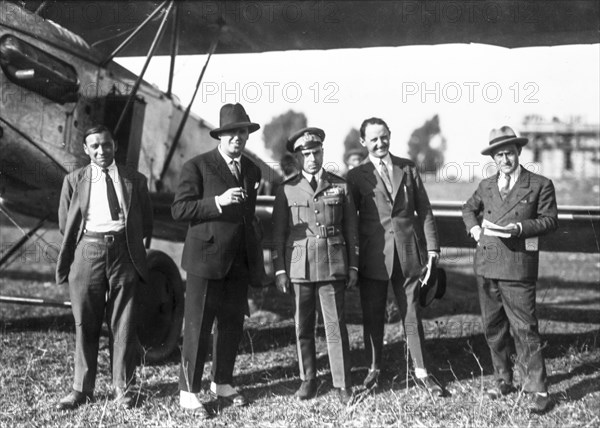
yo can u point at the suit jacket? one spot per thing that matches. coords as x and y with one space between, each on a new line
72 211
315 233
532 202
213 238
403 220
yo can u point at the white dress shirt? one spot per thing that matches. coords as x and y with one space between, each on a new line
309 176
98 218
514 176
387 160
228 161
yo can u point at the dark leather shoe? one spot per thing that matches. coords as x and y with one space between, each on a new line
372 379
307 390
430 385
74 400
500 388
123 398
345 395
541 403
238 399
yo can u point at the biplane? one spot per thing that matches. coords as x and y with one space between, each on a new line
58 76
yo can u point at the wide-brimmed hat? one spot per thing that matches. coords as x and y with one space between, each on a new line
434 288
233 116
500 137
305 138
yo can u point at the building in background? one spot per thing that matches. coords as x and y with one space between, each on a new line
562 149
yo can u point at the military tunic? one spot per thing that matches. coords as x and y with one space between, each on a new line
315 238
315 233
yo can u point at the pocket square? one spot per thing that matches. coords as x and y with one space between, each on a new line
256 185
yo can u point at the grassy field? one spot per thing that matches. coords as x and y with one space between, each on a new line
36 363
36 358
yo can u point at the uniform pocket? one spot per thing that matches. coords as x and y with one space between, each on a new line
337 256
295 259
299 211
333 209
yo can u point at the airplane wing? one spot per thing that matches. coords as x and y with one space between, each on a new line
262 26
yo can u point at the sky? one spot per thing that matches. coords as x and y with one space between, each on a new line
472 88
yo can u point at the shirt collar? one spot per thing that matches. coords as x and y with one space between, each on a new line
310 176
387 160
514 176
229 159
112 168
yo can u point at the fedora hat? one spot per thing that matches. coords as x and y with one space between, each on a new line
500 137
434 288
233 116
305 138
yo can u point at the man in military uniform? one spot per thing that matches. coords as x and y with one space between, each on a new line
316 249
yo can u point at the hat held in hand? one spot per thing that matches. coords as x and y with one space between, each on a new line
434 288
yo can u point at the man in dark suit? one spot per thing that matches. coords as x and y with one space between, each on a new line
517 206
221 255
316 248
398 238
104 215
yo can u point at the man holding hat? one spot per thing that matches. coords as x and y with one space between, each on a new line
316 254
217 196
398 239
517 206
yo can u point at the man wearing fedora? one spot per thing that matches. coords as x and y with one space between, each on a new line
316 249
517 206
398 239
221 255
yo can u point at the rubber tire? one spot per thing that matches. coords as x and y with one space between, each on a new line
160 305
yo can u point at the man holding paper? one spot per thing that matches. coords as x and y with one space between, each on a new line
517 207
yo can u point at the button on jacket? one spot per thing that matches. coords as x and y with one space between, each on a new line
314 233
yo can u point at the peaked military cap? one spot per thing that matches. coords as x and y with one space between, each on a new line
305 138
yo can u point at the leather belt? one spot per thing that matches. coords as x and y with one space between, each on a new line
329 231
108 237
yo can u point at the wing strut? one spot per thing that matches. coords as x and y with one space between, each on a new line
174 47
177 136
132 35
136 86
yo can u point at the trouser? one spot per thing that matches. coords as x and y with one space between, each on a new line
103 282
225 300
373 296
510 305
331 296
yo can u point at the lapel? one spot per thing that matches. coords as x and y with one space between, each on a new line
397 174
222 169
323 183
126 188
371 175
84 185
302 184
492 186
519 191
248 177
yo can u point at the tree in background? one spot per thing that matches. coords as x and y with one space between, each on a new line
427 145
276 133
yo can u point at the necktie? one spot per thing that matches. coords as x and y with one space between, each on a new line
313 183
111 194
236 171
385 176
505 187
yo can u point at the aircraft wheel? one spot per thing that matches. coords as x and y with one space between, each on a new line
160 308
